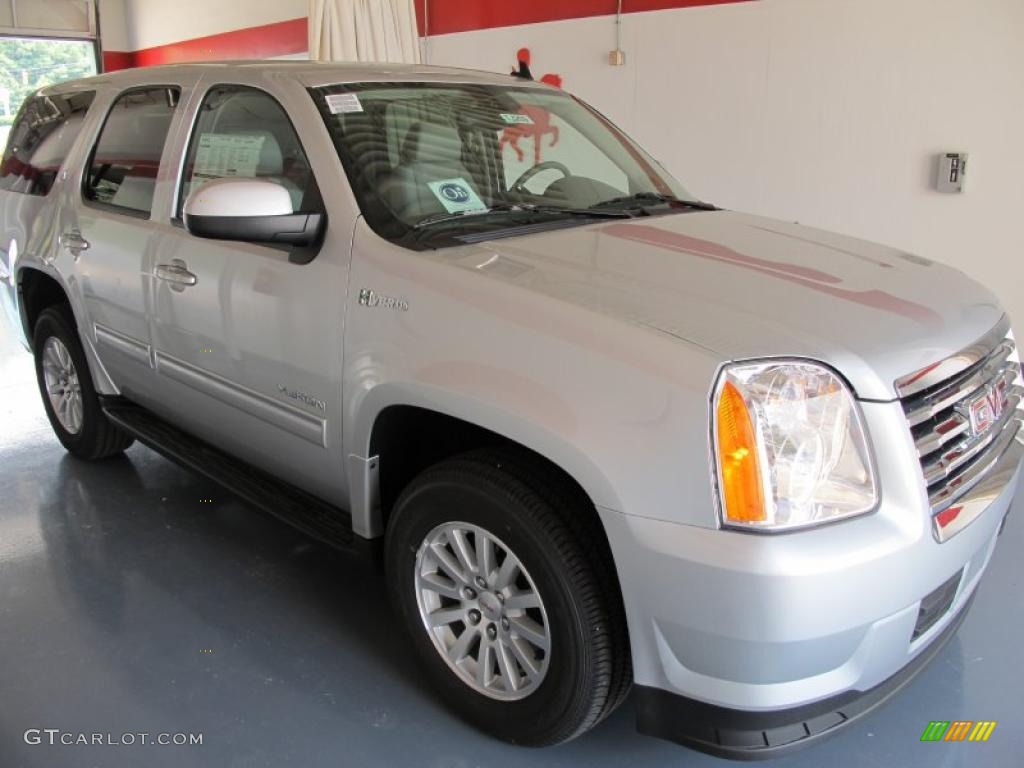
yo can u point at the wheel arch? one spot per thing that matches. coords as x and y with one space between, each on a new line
396 425
37 289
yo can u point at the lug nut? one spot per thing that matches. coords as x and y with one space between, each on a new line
492 632
474 616
469 594
500 596
481 583
505 623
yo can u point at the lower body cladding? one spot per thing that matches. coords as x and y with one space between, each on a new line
750 646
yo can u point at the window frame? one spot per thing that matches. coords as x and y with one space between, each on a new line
87 165
178 202
63 163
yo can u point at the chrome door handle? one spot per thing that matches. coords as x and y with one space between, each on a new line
74 243
176 273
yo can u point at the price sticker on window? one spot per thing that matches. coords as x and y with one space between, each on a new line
340 103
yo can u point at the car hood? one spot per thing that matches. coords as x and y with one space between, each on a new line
743 286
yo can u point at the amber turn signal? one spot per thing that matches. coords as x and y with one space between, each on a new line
742 494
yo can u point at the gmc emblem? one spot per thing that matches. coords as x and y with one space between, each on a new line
985 409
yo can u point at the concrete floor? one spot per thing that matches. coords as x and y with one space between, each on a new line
136 597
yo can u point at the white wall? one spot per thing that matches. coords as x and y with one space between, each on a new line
113 25
829 112
159 22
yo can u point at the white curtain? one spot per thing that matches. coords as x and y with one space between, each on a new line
363 30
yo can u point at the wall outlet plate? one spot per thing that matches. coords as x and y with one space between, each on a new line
952 168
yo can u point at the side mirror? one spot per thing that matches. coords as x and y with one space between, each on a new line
254 210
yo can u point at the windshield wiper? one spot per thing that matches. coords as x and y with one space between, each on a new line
641 199
545 210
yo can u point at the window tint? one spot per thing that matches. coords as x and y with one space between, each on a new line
244 132
43 134
421 155
126 158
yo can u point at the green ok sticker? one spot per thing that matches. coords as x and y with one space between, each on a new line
456 195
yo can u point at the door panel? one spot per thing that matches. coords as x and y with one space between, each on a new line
115 289
247 344
109 233
253 348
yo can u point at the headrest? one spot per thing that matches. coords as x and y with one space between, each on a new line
431 143
271 162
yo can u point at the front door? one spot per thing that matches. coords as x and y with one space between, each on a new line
247 336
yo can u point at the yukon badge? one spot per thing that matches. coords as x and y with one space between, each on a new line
368 298
302 397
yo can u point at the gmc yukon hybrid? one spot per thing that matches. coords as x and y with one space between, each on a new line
610 436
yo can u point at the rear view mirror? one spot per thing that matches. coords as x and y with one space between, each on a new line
253 210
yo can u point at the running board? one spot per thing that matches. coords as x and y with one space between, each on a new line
311 515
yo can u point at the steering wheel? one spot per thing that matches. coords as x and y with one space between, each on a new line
519 187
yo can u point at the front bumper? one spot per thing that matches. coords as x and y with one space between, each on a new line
742 735
745 645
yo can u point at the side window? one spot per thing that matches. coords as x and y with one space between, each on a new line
242 131
40 140
124 163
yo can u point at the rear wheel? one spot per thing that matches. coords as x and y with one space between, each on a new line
504 584
69 397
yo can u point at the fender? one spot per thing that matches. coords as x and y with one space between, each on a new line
518 427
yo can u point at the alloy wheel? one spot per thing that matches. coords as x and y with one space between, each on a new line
62 385
483 611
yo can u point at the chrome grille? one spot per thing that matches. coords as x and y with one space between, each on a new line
964 422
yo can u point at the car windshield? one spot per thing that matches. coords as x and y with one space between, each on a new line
436 164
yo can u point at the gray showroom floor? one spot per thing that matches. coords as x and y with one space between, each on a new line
128 604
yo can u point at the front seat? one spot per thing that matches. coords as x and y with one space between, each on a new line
270 165
429 152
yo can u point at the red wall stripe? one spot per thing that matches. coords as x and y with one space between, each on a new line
278 39
117 60
447 16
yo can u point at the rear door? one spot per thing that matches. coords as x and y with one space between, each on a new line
109 230
248 347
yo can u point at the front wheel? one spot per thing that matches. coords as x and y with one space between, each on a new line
69 397
502 580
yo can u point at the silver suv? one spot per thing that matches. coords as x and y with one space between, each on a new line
609 435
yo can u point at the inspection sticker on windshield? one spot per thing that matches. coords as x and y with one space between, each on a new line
514 118
456 195
343 102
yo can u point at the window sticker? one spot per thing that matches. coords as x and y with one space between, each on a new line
456 195
343 102
515 118
227 154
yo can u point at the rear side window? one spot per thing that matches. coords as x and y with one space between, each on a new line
41 139
124 163
245 132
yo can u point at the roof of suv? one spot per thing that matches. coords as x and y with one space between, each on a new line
311 73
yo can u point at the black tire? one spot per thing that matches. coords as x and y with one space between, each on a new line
554 533
98 438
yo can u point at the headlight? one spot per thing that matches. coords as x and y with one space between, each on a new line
790 447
